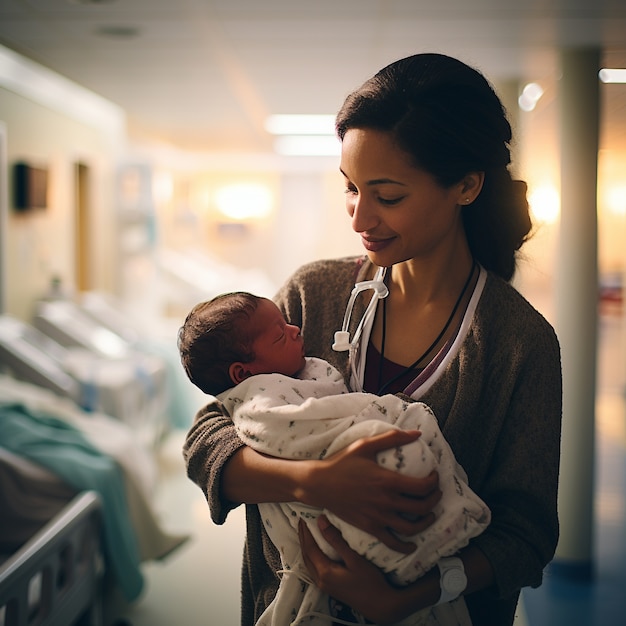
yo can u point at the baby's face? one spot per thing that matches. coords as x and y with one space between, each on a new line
278 347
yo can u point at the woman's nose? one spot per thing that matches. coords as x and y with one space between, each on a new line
363 216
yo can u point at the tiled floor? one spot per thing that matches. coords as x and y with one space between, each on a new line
199 584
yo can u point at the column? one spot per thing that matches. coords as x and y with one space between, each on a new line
576 306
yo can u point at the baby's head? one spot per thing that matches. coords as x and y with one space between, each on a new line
236 335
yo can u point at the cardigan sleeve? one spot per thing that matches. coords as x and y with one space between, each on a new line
521 486
505 426
210 443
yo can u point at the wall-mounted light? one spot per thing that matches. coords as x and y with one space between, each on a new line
163 187
241 202
616 200
545 204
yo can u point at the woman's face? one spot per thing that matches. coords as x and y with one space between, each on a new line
400 211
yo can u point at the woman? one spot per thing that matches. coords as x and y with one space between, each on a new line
425 151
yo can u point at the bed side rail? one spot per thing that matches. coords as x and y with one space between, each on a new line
55 578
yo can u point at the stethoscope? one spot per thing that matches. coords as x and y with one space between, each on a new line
342 337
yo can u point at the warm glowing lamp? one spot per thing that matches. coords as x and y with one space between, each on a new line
241 202
545 204
616 199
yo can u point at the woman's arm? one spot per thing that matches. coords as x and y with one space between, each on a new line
210 443
350 484
362 586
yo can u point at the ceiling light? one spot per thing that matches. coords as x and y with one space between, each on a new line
95 2
612 75
530 96
307 145
300 124
117 32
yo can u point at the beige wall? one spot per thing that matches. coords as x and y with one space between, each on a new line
41 243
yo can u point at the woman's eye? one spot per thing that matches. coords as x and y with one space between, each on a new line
391 201
350 189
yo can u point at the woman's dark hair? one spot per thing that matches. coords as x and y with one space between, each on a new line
213 336
448 118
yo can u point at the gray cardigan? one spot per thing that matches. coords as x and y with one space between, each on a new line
498 404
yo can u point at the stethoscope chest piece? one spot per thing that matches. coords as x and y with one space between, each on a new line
342 341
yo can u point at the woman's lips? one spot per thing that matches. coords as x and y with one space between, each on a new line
375 245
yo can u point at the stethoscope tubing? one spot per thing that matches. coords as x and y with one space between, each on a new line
342 338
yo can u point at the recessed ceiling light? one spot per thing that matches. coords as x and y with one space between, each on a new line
117 32
612 75
95 2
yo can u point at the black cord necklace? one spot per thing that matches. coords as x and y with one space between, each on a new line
415 363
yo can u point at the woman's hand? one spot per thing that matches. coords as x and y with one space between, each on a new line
379 501
353 580
362 586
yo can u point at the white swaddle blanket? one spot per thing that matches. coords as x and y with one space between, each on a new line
313 417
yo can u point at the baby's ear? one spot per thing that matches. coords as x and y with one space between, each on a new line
238 372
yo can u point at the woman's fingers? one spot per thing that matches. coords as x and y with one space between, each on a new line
391 540
406 508
334 538
352 580
319 565
416 497
387 504
391 439
315 560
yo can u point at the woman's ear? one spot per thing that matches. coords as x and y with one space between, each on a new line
471 186
238 372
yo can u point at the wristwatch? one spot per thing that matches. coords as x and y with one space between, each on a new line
452 578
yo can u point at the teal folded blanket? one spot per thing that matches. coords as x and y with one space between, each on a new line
62 449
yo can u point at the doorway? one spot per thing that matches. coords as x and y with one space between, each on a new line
83 246
4 217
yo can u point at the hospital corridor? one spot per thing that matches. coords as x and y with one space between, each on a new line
157 154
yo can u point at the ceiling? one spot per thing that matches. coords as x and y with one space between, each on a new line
204 74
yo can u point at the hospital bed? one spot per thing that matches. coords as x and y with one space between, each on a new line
113 377
50 452
55 578
130 388
32 356
150 334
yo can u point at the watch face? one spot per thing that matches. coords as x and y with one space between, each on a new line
454 581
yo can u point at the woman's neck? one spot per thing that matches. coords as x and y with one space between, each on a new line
419 283
426 302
